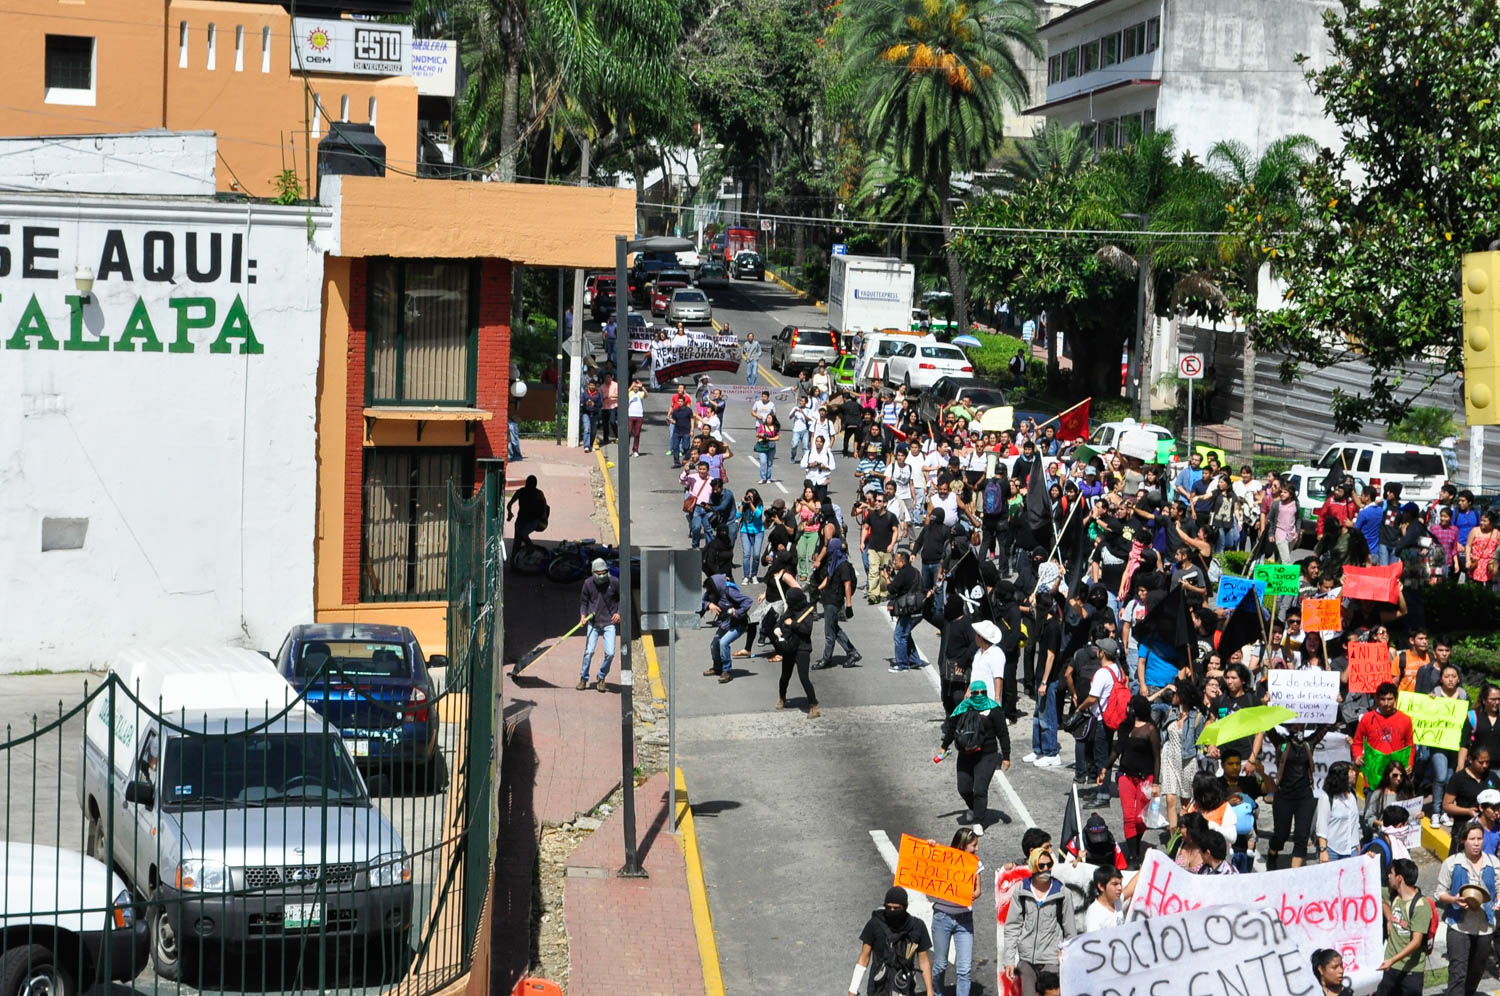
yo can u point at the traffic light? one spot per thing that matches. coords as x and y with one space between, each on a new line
1482 337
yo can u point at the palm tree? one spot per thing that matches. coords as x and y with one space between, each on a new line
1271 183
1143 185
938 75
1055 152
885 193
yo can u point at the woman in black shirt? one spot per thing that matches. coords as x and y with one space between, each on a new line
1482 726
976 765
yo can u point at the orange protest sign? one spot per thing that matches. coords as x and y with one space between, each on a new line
1321 614
944 873
1369 665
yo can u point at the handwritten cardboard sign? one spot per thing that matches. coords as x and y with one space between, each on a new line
1377 584
1435 722
1238 948
944 873
1280 579
1320 614
1334 905
1232 589
1369 665
1312 694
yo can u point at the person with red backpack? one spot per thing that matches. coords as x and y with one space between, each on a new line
1410 928
1108 706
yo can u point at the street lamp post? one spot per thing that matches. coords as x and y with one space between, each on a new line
1134 390
665 243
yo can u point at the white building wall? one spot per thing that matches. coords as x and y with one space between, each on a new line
187 454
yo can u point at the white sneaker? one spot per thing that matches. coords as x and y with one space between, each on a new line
979 829
1030 758
1055 761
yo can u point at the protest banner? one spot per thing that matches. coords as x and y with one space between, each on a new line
1311 693
1232 589
944 873
1006 881
641 345
1334 747
1280 579
669 362
1235 948
747 393
1435 721
1377 584
1333 905
1369 665
1322 614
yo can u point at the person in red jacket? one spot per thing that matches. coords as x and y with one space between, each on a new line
1338 507
1383 737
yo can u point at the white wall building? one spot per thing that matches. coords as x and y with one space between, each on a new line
157 460
1210 71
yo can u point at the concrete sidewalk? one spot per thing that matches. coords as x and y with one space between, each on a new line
561 761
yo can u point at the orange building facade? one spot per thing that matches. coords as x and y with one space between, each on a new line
191 65
413 382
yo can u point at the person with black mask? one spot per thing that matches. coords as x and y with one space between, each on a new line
836 593
959 648
889 935
599 606
1006 609
796 649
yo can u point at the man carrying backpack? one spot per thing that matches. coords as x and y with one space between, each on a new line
978 730
995 515
1411 926
895 949
1108 703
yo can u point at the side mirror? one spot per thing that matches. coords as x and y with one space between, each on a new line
267 655
438 660
141 793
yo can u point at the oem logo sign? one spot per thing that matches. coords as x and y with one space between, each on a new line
357 47
319 48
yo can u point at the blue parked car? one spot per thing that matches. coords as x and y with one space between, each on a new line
371 681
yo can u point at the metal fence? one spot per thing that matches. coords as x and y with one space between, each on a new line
220 832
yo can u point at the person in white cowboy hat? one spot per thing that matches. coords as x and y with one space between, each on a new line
600 597
989 663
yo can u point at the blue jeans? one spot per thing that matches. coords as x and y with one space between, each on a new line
607 632
588 431
722 646
1441 768
800 442
752 372
698 525
961 929
767 457
929 583
906 647
1382 555
679 445
1044 723
513 440
751 543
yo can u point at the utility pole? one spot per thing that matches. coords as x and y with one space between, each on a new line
575 359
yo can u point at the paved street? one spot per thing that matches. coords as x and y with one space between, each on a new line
793 813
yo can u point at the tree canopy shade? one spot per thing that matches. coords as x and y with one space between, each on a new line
937 76
1372 269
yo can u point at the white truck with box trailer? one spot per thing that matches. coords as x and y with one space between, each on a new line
869 293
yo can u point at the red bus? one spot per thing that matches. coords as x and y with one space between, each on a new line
737 239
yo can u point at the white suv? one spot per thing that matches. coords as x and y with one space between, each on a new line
1420 470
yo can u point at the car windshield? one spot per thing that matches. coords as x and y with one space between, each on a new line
748 257
806 337
690 296
944 353
1412 462
255 769
1338 457
637 321
352 658
978 397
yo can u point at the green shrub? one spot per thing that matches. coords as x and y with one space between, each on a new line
1234 562
1453 608
992 357
1478 663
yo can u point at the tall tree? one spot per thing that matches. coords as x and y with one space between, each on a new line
1372 271
938 75
1270 185
1143 185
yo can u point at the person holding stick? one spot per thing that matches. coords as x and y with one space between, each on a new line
599 607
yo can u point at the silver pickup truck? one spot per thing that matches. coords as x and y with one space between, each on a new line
240 827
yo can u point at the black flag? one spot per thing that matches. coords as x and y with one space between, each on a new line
1038 506
1166 620
1245 625
966 593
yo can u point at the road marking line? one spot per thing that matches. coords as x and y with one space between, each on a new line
727 436
1017 807
611 504
653 667
770 376
781 487
703 924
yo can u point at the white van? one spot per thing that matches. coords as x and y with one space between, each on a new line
1420 470
1108 435
65 916
238 811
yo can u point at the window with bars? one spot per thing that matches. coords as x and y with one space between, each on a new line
70 68
404 538
422 332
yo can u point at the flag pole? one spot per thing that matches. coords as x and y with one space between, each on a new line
1066 411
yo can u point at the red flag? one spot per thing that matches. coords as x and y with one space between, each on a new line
1074 423
1378 584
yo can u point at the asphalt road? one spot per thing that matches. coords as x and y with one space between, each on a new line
792 813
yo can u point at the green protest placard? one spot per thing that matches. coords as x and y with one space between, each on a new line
1435 722
1280 579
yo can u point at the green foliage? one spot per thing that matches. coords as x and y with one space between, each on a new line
288 187
991 360
1424 425
1452 607
1373 270
533 347
1234 562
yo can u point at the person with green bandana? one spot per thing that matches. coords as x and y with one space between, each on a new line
977 728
